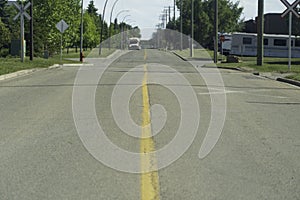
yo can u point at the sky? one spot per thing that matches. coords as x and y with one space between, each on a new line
145 13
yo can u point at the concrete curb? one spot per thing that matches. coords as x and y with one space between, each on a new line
18 74
25 72
179 56
289 81
74 65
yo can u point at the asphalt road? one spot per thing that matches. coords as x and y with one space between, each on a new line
42 156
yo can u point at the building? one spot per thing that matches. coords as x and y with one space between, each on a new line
274 24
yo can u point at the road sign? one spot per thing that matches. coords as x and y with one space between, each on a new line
290 8
22 13
62 26
22 10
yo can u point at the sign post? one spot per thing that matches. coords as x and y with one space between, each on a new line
62 26
22 12
290 10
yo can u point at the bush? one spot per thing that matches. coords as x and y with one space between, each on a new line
4 53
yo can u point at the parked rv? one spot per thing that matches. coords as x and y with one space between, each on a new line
245 44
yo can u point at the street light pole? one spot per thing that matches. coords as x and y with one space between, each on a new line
192 32
102 26
111 13
216 46
122 11
123 30
81 33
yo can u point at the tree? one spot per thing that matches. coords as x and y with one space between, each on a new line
2 7
92 10
47 14
5 36
229 19
90 36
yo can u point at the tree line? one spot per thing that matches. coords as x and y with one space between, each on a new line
204 12
46 14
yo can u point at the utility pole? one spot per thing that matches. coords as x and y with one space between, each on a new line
174 10
192 32
166 14
260 33
181 25
170 14
31 32
216 32
81 33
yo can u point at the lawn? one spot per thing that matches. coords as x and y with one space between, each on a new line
198 53
276 65
11 64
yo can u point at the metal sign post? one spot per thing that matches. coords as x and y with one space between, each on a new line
290 10
22 12
62 26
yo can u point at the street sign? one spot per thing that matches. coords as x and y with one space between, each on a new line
22 13
290 8
22 10
62 26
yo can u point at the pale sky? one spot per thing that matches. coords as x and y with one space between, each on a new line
145 13
271 6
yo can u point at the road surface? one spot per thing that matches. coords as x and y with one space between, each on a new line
43 157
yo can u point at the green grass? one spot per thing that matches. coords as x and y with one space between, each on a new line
10 65
95 53
275 65
294 77
198 53
278 65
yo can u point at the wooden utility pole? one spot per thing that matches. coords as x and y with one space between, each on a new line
31 32
216 32
260 33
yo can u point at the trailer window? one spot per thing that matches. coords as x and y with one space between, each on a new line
280 42
297 42
266 42
247 40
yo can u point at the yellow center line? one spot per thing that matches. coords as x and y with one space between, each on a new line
149 176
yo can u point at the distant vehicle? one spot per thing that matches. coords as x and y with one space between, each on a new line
134 44
245 44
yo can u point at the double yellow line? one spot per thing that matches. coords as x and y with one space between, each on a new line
149 176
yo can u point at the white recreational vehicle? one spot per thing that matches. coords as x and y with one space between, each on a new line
134 44
245 44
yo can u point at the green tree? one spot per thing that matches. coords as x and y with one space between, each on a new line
90 36
5 36
47 14
229 18
91 9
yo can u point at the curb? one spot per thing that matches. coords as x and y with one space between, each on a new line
289 81
179 56
18 74
25 72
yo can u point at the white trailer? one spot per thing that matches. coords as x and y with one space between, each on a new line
245 44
